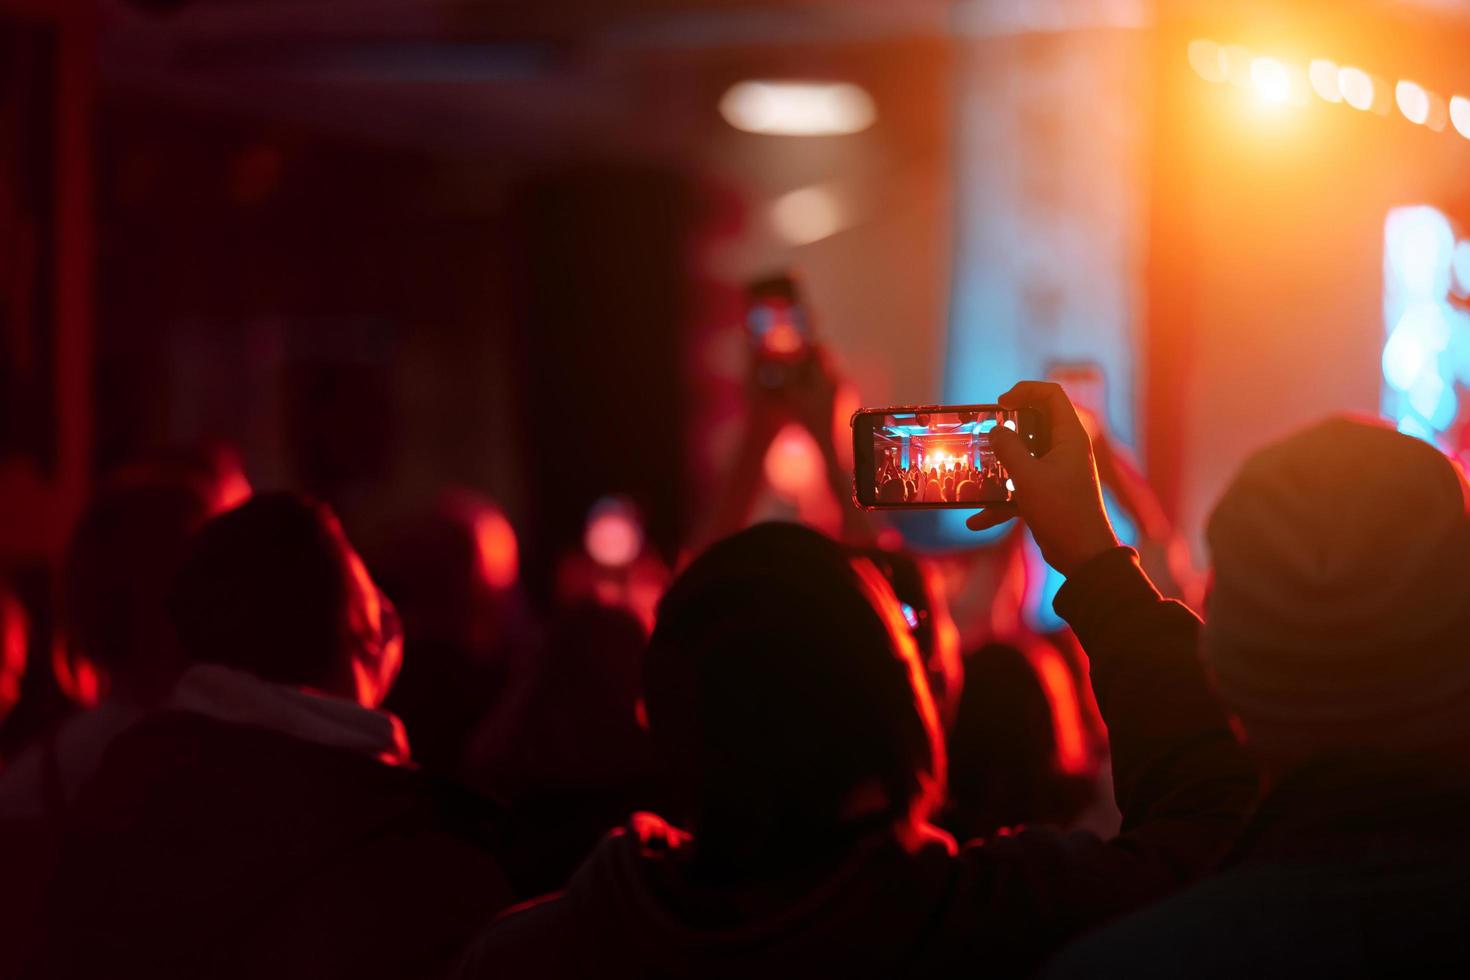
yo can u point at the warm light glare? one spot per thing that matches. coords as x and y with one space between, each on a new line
798 108
1413 102
1323 76
1270 80
807 215
1236 63
1460 115
1204 58
1356 87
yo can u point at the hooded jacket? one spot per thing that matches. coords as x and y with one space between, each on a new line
996 908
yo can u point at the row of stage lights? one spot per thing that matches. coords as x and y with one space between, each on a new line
1283 82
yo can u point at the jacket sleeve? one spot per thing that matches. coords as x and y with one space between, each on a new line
1183 783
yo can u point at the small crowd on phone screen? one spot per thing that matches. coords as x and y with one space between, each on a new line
937 459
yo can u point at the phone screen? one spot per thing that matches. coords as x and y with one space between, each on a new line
776 320
936 456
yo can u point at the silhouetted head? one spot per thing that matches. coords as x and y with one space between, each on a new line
1007 745
115 580
1341 596
786 694
891 492
968 492
450 569
921 594
273 588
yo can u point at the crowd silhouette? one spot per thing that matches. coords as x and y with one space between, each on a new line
287 760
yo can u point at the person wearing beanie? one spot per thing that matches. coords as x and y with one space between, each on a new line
1338 631
786 697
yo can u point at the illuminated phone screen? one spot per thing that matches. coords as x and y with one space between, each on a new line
934 458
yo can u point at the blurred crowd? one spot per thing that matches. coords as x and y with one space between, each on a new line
793 756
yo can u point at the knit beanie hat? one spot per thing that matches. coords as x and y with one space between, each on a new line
1339 617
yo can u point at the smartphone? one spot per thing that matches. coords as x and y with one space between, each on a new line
778 328
923 457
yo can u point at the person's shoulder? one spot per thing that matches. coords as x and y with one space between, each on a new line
534 938
1224 926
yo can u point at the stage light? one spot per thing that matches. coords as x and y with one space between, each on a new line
614 534
1204 58
1010 485
1420 245
1270 80
794 108
1413 102
1460 115
807 215
1414 346
1236 62
1356 86
1323 76
1460 265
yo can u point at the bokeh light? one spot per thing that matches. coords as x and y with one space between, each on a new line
1412 101
1270 80
1356 86
793 461
614 533
499 552
1204 58
807 215
1323 76
1460 115
797 108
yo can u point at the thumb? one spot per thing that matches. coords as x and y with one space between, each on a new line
1011 450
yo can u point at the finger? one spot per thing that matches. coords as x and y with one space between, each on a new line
991 516
1012 452
1052 400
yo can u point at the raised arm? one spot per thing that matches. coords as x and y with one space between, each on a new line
1183 783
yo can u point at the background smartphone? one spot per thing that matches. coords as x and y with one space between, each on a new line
778 327
921 457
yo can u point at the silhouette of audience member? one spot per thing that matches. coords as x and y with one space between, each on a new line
891 491
918 586
1336 631
568 757
117 654
266 822
1006 749
788 702
453 573
968 492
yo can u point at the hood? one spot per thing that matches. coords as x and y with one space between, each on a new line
868 916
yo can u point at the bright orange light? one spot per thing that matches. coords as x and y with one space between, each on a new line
1204 58
1413 102
1356 86
1460 115
1323 76
1270 80
793 108
495 539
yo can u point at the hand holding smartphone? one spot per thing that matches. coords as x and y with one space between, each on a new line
1051 477
923 457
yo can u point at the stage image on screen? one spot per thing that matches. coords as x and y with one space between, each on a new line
939 458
